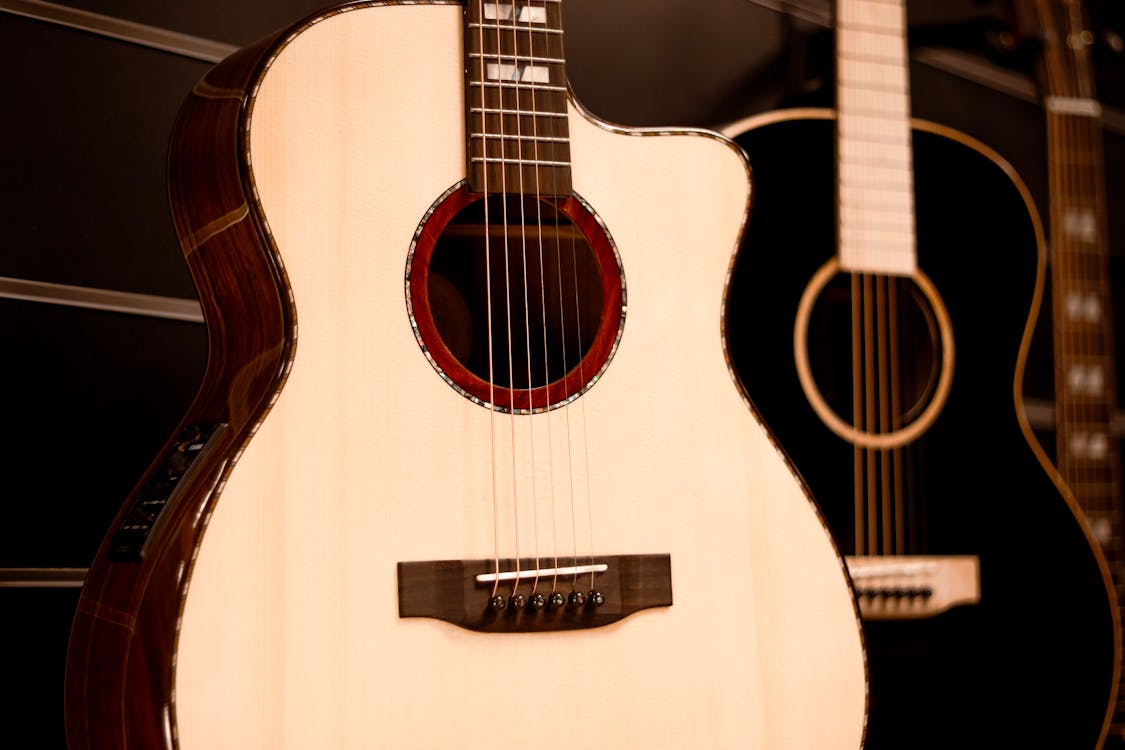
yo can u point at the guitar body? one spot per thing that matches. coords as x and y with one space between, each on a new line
1032 663
265 611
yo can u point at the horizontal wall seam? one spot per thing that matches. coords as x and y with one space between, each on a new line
153 37
149 305
51 578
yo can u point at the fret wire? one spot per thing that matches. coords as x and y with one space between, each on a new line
862 136
877 162
865 57
521 26
545 138
529 162
858 83
506 56
519 85
528 113
847 110
870 28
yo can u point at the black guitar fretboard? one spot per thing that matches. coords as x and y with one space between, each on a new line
516 98
1085 371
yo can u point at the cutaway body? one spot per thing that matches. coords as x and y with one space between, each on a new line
290 633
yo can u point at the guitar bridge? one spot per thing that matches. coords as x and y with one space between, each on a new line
506 597
908 587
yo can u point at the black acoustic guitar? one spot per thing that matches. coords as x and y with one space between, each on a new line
880 315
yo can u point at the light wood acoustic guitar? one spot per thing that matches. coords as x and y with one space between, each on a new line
468 466
902 264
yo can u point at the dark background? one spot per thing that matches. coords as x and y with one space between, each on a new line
89 396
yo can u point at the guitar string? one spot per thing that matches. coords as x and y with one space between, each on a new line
488 310
880 525
884 365
504 196
859 457
1074 183
1086 142
1097 486
1094 197
869 412
857 411
568 404
892 457
517 78
543 313
518 74
580 403
582 408
896 417
567 410
1070 413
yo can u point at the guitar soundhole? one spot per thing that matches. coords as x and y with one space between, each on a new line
531 285
875 343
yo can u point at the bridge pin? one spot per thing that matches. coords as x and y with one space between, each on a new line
496 602
595 598
576 599
537 602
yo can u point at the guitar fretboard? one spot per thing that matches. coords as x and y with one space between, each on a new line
874 161
1085 371
516 98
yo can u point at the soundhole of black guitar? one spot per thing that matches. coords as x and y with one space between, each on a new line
518 302
875 350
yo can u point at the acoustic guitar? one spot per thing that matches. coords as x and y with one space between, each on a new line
468 464
880 315
1086 447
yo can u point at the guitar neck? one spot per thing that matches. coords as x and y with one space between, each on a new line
1085 370
516 98
875 177
1087 453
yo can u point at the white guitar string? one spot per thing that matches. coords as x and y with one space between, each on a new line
543 311
526 300
488 309
507 301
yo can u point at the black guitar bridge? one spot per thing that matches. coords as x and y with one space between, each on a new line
461 592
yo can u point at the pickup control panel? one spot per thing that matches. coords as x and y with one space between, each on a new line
130 537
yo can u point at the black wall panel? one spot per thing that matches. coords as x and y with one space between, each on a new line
88 396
